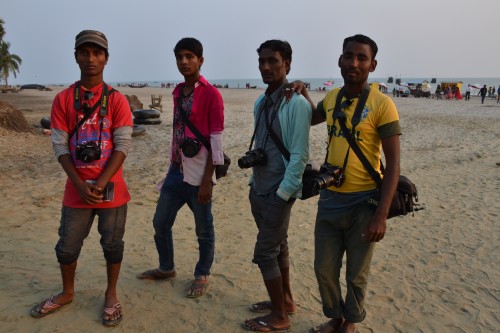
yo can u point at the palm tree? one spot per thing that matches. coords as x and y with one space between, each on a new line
2 30
9 63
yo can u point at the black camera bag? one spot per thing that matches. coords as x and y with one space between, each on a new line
404 200
406 195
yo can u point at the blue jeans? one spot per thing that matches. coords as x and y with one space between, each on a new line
174 194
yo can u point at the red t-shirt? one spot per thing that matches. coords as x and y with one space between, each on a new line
64 117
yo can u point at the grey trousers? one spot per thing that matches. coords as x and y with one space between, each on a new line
272 216
337 234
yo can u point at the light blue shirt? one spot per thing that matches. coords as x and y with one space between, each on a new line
295 121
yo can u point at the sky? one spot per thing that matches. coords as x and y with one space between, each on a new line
416 39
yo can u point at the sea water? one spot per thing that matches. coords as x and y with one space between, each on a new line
321 83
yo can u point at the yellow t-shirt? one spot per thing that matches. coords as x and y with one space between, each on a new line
379 119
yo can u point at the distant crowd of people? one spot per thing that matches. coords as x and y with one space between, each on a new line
454 93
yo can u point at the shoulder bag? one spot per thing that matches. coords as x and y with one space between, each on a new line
405 198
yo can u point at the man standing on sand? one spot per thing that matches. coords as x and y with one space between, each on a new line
347 222
91 134
277 180
467 93
190 177
483 91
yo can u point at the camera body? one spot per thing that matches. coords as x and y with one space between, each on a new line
329 175
190 147
252 158
88 152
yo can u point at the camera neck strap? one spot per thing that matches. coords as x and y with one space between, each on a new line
352 142
339 115
103 110
271 133
190 125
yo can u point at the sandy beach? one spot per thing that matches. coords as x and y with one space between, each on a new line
434 272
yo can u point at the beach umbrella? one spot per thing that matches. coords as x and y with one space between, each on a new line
328 83
383 84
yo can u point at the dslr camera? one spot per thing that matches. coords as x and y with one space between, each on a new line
190 147
252 158
88 152
328 175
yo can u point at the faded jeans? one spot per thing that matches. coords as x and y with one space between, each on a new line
336 234
174 194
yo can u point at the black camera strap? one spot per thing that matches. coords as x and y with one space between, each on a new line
272 135
339 115
191 126
357 150
103 110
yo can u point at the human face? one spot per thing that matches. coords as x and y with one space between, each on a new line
272 67
91 59
188 63
356 63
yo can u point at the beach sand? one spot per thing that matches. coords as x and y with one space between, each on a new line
434 272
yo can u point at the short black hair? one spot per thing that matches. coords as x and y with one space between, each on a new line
281 46
363 40
191 44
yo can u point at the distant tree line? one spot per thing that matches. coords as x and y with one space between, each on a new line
9 63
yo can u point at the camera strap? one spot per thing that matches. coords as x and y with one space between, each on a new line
352 143
340 115
191 126
272 135
103 111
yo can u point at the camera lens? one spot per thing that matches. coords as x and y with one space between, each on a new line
252 158
88 155
245 162
322 181
88 152
190 147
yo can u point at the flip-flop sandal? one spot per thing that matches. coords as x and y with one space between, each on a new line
156 274
259 325
46 307
263 307
199 285
109 312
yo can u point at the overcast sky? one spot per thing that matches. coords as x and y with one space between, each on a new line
416 39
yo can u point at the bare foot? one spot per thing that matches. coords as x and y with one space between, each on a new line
331 326
63 298
112 315
266 306
198 287
348 327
